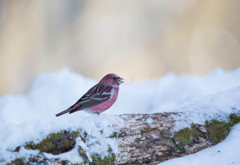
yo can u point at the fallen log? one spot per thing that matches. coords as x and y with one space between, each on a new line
141 139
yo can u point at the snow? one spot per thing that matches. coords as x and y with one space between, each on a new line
31 116
149 121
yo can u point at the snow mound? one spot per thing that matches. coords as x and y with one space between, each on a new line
31 117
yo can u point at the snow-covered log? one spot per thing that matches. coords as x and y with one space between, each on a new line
142 139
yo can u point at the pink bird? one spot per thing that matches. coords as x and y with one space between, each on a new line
99 98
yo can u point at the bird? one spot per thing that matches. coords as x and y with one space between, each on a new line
99 98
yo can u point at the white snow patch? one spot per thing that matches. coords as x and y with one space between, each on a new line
149 120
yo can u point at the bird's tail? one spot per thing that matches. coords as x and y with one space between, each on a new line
73 108
63 112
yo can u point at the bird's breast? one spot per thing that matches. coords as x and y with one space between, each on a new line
107 104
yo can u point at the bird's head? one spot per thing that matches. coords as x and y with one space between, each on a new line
112 79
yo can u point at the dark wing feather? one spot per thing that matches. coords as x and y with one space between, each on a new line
96 95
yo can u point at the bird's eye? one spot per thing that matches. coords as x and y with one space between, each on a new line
114 78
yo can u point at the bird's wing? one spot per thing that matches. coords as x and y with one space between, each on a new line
96 95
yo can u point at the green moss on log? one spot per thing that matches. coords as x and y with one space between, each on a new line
97 159
234 119
64 141
107 160
183 137
218 130
55 143
83 135
114 135
215 132
18 161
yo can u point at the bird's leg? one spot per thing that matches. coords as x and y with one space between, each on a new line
98 113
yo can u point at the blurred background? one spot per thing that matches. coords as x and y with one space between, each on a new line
137 39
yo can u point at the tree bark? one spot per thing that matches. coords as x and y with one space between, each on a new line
148 139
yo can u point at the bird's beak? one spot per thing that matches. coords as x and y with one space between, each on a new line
120 80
